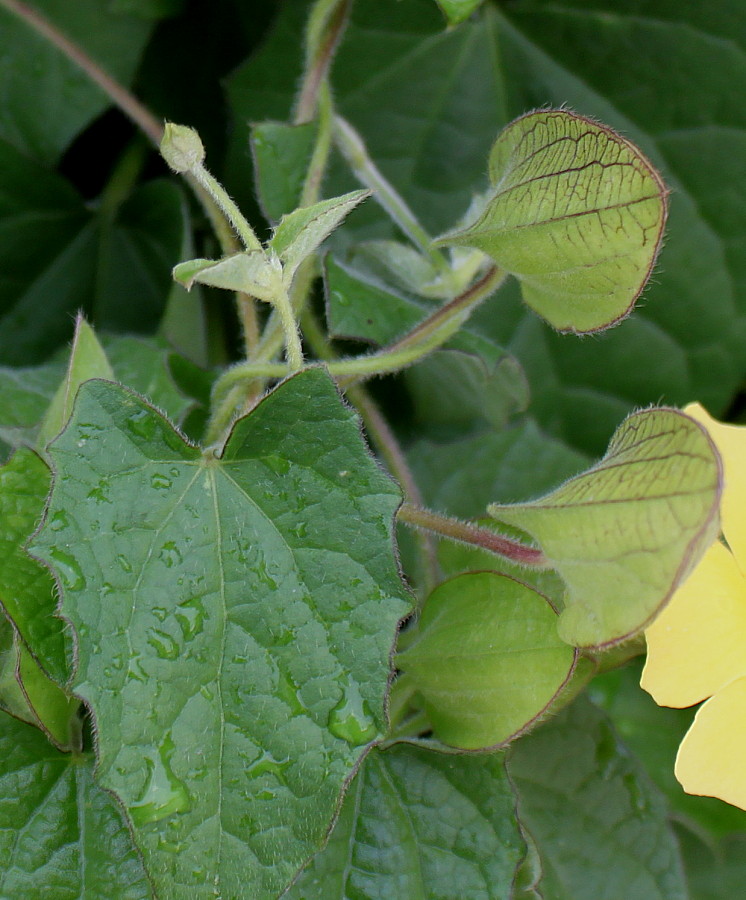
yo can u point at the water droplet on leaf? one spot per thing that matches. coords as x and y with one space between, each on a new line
351 719
68 568
163 644
163 794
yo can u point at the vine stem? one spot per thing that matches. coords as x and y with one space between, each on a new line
326 25
425 337
456 530
354 151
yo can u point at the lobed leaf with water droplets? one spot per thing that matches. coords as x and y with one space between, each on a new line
576 214
234 620
420 824
624 534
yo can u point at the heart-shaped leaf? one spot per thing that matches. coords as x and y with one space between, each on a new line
402 828
624 534
65 836
576 214
486 659
228 612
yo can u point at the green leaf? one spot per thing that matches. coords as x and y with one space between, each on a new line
63 836
359 308
27 589
282 154
599 825
486 659
302 231
87 360
239 609
455 387
429 103
420 824
627 532
514 463
714 872
653 733
58 256
145 365
25 395
47 99
458 10
577 215
29 695
251 271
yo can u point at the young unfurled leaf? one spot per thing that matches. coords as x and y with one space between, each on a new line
234 621
625 534
87 360
576 214
252 272
301 232
402 831
486 659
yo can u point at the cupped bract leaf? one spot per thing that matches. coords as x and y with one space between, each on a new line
486 659
624 534
63 836
420 824
577 215
26 587
252 272
234 620
600 827
302 231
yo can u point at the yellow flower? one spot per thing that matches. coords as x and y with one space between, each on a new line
697 645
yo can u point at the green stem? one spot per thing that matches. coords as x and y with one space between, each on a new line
320 156
455 530
425 337
326 25
228 207
354 151
293 344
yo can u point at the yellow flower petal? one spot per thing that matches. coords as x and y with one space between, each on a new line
731 443
711 759
698 643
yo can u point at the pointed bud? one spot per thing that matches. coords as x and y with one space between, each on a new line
181 147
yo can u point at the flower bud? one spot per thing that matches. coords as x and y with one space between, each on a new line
181 147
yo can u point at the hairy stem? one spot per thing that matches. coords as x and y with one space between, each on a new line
326 25
354 151
455 530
